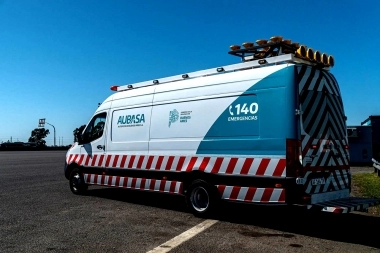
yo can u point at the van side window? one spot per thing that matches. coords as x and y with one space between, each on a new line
95 128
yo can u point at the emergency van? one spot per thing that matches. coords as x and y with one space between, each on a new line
270 130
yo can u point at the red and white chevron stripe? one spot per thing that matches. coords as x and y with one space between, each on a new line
253 166
145 184
252 194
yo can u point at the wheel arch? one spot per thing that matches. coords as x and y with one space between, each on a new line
196 175
70 168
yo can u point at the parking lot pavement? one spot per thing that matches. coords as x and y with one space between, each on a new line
38 213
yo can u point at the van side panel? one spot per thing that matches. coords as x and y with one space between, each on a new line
222 123
180 127
234 124
262 133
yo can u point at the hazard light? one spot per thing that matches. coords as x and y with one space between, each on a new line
234 47
324 58
317 56
310 54
114 87
331 61
247 44
261 42
276 38
301 51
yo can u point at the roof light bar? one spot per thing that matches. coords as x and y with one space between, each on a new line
296 44
277 46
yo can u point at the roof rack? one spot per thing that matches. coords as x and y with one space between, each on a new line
276 60
276 46
262 51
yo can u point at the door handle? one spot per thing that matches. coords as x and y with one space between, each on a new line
100 147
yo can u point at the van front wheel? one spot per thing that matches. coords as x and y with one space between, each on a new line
201 198
77 184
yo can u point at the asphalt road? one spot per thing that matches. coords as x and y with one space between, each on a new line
38 213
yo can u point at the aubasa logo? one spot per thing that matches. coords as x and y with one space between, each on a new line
131 119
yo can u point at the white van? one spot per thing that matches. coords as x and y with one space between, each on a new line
270 130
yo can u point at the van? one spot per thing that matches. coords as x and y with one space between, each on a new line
268 131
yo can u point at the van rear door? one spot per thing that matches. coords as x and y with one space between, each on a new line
324 144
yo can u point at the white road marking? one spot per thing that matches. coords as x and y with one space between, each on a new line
179 239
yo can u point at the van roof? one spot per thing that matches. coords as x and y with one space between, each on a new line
249 64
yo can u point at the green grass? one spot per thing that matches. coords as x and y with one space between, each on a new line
367 185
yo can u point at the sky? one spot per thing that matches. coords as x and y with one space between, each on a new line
59 58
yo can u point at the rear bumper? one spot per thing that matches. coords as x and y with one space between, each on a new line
329 196
345 205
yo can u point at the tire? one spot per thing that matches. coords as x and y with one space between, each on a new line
201 198
77 184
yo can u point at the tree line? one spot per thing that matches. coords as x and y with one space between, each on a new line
39 134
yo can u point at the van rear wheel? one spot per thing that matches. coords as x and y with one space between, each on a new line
201 198
77 184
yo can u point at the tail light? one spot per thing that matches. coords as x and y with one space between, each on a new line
293 158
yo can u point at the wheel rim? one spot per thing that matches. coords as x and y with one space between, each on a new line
199 199
76 182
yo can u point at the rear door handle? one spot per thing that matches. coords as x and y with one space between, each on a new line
100 147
